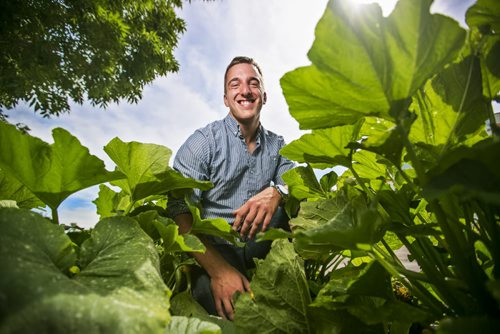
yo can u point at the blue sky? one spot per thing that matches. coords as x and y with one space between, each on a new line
277 33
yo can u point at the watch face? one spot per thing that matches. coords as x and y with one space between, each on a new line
282 189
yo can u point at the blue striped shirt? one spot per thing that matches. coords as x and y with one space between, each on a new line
218 153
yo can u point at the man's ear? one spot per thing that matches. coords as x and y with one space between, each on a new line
225 101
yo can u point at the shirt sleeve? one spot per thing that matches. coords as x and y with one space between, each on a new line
191 160
284 165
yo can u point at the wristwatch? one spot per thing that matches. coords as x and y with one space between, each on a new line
283 191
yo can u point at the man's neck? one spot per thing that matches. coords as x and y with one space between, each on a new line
249 133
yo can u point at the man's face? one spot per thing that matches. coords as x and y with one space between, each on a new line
244 93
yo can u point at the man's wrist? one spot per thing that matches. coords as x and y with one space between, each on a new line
283 192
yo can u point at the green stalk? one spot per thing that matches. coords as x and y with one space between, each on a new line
394 257
55 216
436 278
419 291
453 237
382 257
360 182
489 227
465 261
129 208
419 169
408 273
430 253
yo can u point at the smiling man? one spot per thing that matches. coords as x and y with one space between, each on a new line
242 160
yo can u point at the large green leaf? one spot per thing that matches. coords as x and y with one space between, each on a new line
485 16
451 107
340 224
281 295
216 227
12 189
466 325
323 148
311 217
187 325
490 66
468 172
183 304
173 241
110 203
147 170
484 13
118 287
368 280
366 293
51 172
365 64
340 322
381 137
302 183
366 165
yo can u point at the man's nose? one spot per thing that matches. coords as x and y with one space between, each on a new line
245 89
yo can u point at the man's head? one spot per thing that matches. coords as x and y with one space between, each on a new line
244 92
242 60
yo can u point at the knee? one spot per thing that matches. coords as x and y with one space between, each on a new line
202 293
280 219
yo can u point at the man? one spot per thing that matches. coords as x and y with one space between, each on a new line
242 160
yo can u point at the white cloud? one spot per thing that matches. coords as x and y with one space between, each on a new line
84 217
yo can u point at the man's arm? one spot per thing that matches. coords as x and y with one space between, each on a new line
257 210
225 280
260 209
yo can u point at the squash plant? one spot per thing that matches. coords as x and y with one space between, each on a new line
119 276
400 103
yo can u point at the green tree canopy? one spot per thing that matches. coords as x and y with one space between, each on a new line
52 52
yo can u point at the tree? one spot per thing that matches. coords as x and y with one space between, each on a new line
52 52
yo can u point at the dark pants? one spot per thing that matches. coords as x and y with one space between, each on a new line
240 258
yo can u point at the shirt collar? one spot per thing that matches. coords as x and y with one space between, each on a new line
234 127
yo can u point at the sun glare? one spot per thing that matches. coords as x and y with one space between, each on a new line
386 5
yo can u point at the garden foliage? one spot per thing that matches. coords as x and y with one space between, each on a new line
398 104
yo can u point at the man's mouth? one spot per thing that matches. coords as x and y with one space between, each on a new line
246 102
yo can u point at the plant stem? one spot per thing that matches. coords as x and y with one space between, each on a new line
490 234
394 257
129 208
436 278
419 169
413 285
360 182
55 216
464 258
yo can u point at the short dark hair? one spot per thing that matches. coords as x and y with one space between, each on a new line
241 60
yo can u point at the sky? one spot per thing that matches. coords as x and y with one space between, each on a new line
276 33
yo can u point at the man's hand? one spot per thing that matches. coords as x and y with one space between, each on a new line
225 280
256 211
224 285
